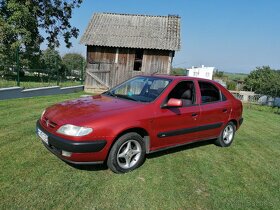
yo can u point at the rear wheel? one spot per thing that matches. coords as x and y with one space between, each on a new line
227 135
127 154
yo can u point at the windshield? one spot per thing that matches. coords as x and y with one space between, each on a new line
144 89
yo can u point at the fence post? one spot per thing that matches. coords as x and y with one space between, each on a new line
17 65
82 73
57 77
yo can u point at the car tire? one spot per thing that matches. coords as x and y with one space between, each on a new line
127 153
227 135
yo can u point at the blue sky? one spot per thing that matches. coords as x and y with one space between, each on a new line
231 35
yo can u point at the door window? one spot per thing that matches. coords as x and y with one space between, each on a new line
209 93
185 91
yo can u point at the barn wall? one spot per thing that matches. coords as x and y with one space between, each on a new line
103 72
97 54
156 61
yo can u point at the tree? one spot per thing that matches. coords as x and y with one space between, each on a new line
22 23
178 71
51 62
73 61
231 85
218 74
264 80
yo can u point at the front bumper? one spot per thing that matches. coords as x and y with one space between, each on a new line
56 144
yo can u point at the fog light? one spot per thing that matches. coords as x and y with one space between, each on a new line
66 154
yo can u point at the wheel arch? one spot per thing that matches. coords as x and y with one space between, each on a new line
234 122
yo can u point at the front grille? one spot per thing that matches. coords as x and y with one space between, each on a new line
48 123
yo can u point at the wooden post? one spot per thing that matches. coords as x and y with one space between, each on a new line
82 72
57 77
17 66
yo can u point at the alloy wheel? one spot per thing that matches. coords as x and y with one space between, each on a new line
129 154
228 134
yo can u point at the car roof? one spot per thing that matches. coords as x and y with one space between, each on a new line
174 77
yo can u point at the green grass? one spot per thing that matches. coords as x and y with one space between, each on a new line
201 176
235 76
32 84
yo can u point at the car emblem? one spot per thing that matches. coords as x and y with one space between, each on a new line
47 123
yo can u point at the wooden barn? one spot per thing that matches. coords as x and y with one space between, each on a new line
120 46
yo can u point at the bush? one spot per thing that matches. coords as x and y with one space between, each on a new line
231 85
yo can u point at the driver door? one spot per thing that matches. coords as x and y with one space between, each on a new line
177 125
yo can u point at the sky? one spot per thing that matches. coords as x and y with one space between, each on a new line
232 35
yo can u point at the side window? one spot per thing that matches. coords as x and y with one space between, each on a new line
184 91
224 98
209 92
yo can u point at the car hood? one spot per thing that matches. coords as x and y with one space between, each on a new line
83 110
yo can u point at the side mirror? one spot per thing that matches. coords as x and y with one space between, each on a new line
173 102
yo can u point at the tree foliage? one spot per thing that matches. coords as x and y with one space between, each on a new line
264 80
231 85
218 74
51 62
73 61
178 71
22 23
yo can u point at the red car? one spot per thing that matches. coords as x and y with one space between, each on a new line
142 115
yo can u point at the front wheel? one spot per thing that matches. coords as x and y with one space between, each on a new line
127 154
227 135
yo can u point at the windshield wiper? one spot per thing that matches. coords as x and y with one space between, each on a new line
109 93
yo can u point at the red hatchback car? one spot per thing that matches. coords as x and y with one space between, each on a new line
142 115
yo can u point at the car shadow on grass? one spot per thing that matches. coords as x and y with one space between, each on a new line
101 167
97 167
180 148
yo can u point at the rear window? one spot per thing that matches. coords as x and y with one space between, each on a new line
209 92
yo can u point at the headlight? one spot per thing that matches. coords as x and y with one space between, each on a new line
72 130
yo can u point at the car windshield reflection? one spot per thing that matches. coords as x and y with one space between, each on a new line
142 89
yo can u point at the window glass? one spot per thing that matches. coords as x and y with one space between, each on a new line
224 98
209 92
185 91
144 89
195 74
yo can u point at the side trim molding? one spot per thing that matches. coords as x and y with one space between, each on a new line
188 130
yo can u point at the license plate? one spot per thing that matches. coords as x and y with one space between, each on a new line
43 136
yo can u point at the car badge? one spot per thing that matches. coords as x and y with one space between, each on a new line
47 123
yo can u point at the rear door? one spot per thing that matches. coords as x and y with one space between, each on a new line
215 110
175 126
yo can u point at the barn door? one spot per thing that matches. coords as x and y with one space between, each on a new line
98 76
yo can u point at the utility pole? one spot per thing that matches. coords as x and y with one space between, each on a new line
17 65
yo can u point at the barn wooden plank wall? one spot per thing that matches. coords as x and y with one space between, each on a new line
105 71
155 61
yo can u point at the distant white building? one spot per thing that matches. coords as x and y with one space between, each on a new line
201 72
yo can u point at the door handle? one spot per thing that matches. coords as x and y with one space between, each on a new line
224 110
194 114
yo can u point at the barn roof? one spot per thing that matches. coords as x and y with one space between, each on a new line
133 31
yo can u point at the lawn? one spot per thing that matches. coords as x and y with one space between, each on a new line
201 176
34 84
235 76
